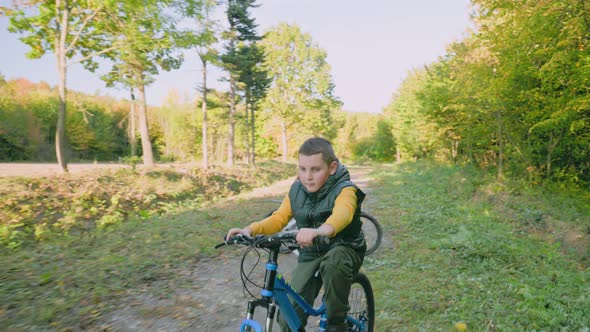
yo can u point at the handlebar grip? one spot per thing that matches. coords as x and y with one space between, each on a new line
235 239
222 243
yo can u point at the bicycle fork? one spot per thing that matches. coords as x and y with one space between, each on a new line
271 309
266 300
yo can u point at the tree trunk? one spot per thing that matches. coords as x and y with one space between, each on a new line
167 138
232 111
60 49
500 146
550 148
220 149
132 127
146 144
284 134
454 149
247 131
204 109
549 155
252 125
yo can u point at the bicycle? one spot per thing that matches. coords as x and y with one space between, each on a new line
370 226
276 291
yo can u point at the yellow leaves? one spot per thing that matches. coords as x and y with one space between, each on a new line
115 200
41 231
460 327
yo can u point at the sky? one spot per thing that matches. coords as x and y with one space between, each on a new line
371 46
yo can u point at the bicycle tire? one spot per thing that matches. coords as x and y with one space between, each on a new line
373 232
362 302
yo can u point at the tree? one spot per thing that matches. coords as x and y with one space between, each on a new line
202 38
242 30
28 114
301 85
384 147
132 125
255 82
542 50
177 123
416 134
68 29
149 43
375 142
514 94
217 119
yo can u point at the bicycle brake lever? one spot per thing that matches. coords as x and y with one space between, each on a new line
225 242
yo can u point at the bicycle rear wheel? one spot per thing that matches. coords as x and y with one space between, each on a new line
372 231
362 303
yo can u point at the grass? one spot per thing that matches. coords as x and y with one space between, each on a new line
65 282
465 249
36 209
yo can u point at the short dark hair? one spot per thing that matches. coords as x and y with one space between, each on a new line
317 145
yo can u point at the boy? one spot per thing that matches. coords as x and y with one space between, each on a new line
324 202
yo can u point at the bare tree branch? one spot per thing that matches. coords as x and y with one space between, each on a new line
84 24
93 54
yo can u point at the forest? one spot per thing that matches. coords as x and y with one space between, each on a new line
511 97
478 168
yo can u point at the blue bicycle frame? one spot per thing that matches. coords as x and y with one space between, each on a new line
276 291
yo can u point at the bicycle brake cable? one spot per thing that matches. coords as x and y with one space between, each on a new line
246 277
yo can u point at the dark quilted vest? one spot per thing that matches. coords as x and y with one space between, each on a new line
311 210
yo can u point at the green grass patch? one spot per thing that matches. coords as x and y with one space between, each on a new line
468 249
67 282
459 247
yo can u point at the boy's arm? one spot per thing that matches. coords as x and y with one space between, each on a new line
273 224
343 211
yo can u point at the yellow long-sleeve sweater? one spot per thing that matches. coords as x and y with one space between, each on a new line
342 214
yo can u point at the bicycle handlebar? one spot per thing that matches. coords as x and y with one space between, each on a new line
270 241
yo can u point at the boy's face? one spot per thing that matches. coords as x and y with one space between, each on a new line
314 171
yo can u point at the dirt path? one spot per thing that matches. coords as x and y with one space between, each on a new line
51 169
208 296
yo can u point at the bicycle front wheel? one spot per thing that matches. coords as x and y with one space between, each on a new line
362 304
372 231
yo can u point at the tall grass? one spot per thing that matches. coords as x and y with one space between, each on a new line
467 249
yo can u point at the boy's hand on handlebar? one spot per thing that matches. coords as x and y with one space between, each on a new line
305 236
244 231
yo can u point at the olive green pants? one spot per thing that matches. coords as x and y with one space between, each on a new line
337 270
